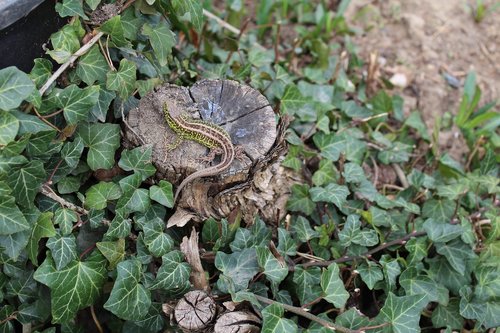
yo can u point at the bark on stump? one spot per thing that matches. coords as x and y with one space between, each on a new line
250 121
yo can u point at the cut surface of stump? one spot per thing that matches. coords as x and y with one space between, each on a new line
195 311
243 112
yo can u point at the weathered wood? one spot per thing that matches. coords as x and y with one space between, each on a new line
251 123
195 311
237 322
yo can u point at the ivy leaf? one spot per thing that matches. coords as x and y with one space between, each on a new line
439 210
415 284
352 233
274 270
138 160
131 24
139 201
346 142
286 244
398 152
75 287
15 86
191 11
352 319
370 273
415 120
299 200
450 167
43 144
72 151
173 273
470 308
162 194
453 191
391 270
25 182
92 67
439 232
41 71
100 110
29 123
303 230
98 195
366 238
102 140
306 283
336 194
448 315
65 43
12 219
330 147
63 250
129 299
71 8
440 270
93 3
273 321
333 286
324 174
403 313
113 251
353 173
456 252
292 100
13 244
76 102
120 225
238 268
154 320
43 228
488 282
65 218
123 81
145 86
158 242
9 125
162 40
114 28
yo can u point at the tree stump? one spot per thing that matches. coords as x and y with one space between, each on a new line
195 311
237 322
249 120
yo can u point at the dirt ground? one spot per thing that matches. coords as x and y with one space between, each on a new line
424 41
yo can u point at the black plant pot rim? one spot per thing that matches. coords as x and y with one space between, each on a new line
13 10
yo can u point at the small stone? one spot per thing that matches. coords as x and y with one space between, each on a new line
399 80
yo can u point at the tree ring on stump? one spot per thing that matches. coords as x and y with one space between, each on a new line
195 311
241 110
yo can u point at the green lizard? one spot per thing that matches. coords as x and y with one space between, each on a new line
205 133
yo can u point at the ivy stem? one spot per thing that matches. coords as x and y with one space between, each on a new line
70 61
48 192
75 55
368 254
10 317
305 314
96 321
87 251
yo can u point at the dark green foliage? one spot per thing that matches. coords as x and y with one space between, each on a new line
354 252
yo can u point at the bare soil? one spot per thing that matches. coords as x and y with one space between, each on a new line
424 41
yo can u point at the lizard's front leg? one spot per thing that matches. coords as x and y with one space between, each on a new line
173 145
